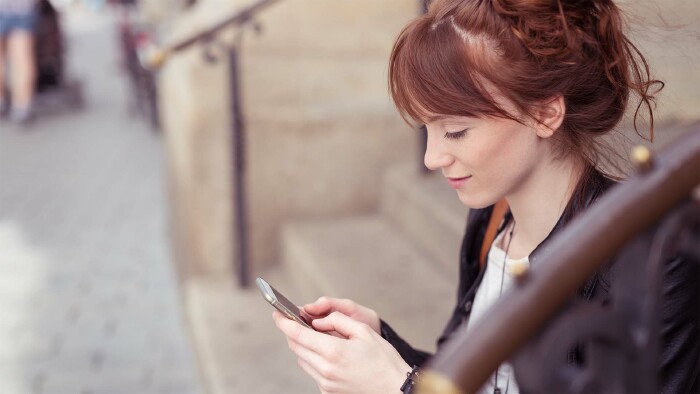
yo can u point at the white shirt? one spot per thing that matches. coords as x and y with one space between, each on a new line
496 281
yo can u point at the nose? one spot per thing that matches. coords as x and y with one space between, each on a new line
436 154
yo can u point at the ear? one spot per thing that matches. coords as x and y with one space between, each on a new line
550 116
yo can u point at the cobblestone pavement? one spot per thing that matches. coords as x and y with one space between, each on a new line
88 293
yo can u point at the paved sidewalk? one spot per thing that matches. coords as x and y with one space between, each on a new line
88 293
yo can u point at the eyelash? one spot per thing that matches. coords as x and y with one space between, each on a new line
455 135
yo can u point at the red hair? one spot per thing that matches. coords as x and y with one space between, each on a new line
453 59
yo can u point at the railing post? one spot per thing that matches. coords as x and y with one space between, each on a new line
158 56
240 212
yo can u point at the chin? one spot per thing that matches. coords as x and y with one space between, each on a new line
475 202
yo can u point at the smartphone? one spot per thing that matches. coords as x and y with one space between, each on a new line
281 303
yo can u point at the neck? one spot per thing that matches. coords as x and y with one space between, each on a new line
539 202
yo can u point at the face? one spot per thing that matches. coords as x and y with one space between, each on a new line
484 159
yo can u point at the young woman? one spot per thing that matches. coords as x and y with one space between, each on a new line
514 95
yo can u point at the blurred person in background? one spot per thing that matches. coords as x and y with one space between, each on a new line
18 19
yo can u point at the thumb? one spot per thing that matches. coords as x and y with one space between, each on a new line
341 323
322 306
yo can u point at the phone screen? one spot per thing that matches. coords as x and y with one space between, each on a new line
279 301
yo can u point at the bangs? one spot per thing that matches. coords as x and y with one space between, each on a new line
438 68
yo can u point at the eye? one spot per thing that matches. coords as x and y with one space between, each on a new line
455 135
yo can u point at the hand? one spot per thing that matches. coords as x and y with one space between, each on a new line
327 305
361 363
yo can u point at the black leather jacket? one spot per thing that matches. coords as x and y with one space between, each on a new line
680 326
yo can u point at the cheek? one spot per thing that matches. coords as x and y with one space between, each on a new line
499 164
495 155
517 159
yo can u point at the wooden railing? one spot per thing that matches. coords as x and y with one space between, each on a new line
660 185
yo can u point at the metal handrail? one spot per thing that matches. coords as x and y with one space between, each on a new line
159 56
574 255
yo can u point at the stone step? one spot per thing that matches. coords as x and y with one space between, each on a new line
365 259
313 169
427 211
240 350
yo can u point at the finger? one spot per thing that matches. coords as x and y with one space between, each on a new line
320 307
326 305
315 341
310 371
321 382
306 316
289 328
335 334
277 316
313 359
341 323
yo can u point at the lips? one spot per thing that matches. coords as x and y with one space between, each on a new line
456 183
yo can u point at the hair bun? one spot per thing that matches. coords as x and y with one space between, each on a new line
554 29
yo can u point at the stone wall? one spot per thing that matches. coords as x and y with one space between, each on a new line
321 125
668 33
